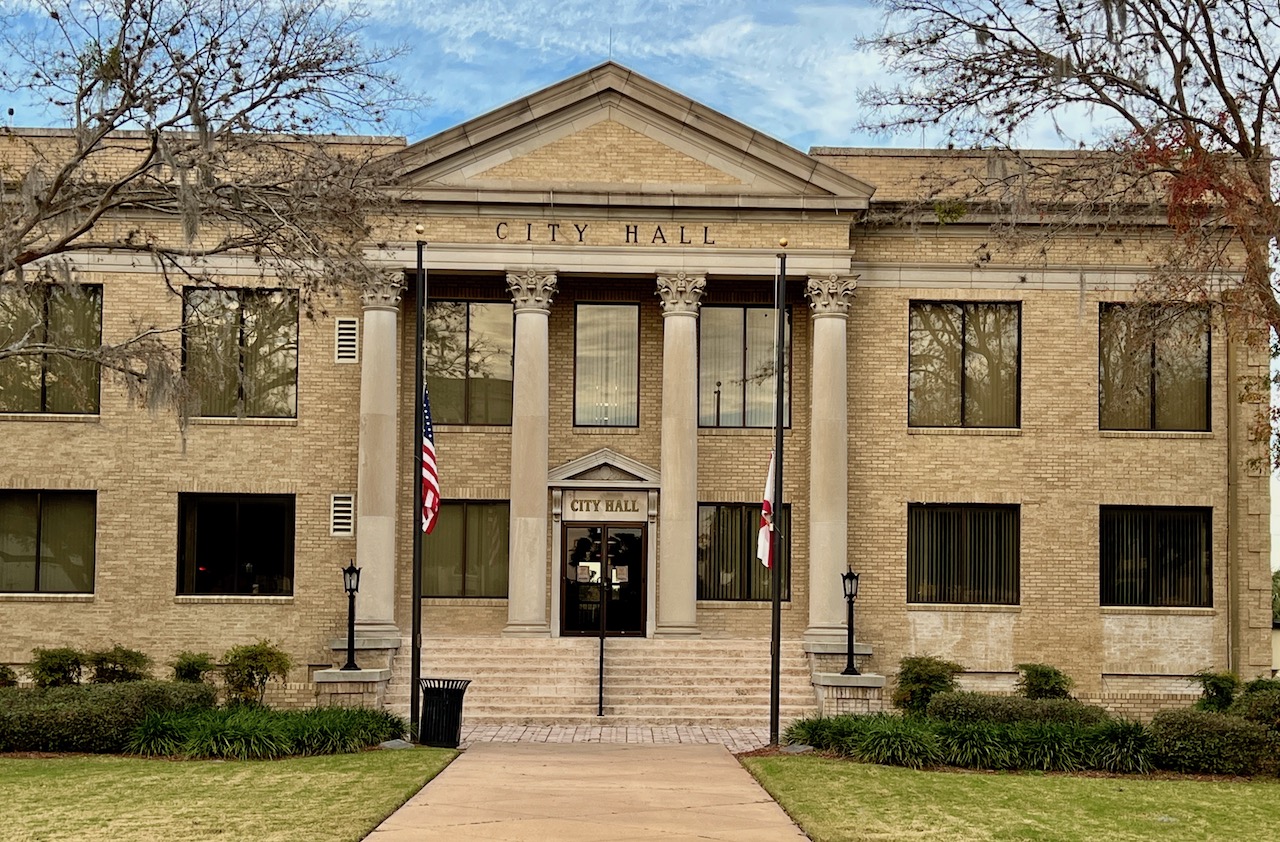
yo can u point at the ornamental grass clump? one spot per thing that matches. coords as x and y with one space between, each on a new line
1122 746
976 745
249 732
897 741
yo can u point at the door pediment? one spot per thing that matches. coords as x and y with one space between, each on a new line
603 468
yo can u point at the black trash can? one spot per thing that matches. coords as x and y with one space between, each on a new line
441 722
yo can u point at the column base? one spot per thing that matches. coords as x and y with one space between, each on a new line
826 638
376 634
527 630
677 630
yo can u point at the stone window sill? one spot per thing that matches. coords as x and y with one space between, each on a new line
1155 611
50 416
964 431
606 431
741 431
245 422
47 597
971 609
1153 434
464 602
233 600
743 605
502 429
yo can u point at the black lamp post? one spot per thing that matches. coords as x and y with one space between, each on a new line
351 581
850 581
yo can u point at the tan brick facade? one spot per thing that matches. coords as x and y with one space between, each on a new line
1056 465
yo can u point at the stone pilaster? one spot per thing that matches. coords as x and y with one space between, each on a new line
376 495
829 298
678 509
531 292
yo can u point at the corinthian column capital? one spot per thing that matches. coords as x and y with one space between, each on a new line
532 290
382 292
681 293
831 295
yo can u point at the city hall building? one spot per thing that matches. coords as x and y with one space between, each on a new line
1016 473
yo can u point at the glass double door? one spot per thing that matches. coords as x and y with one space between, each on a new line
603 580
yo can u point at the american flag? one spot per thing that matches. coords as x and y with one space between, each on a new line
430 479
764 541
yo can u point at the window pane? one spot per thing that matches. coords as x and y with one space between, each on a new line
935 365
607 362
487 549
21 323
1182 373
991 365
270 353
445 361
490 363
67 525
721 343
443 553
727 565
1155 557
18 519
236 544
212 362
762 360
963 554
75 321
1124 371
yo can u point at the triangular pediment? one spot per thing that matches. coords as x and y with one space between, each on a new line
611 131
603 467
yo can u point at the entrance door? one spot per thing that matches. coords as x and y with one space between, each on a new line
603 580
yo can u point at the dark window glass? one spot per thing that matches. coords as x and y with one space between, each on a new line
964 366
736 362
607 366
1153 368
235 544
469 355
241 352
61 317
47 541
1156 556
466 554
962 554
728 568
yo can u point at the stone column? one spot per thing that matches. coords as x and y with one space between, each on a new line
531 291
376 477
678 509
829 298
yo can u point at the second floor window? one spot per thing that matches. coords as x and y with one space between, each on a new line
66 318
964 364
606 389
736 362
240 352
468 361
1153 368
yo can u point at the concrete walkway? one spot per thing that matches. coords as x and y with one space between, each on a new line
590 792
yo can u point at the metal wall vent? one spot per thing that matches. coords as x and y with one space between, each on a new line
346 341
342 515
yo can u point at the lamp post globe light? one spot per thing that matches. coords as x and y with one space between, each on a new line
351 582
850 581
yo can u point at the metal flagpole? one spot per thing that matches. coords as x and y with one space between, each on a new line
775 567
415 656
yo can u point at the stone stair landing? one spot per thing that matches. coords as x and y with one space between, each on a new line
721 683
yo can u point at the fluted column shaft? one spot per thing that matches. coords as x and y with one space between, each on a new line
531 292
829 299
678 510
376 473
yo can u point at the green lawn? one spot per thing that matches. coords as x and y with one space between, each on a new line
839 800
339 797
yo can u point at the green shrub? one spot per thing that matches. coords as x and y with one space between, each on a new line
1262 707
117 664
192 666
1049 746
248 668
56 667
976 745
1218 690
248 732
1121 745
8 678
1041 681
95 718
969 707
919 678
898 741
1261 685
1209 743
